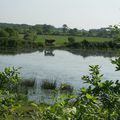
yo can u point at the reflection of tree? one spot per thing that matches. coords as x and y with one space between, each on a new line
48 52
94 52
15 51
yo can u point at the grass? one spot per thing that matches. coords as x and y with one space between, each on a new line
60 40
49 85
66 87
25 112
28 83
52 85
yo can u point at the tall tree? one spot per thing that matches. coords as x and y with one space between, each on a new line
73 31
3 33
65 28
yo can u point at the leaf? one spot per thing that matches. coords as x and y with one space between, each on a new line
83 90
34 105
89 96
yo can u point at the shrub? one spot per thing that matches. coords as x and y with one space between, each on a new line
9 79
99 101
71 40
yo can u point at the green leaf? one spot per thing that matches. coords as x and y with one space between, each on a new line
84 90
34 105
89 96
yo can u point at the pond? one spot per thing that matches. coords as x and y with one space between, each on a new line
63 66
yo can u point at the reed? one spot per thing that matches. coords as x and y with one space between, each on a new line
50 85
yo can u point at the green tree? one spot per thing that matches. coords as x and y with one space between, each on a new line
115 31
46 29
12 32
65 28
3 33
73 31
71 40
30 36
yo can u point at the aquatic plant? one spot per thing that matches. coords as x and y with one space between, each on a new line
28 82
99 101
66 87
51 85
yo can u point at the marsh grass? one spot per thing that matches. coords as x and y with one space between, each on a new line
64 87
28 82
48 85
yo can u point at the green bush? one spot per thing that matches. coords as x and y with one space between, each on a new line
9 79
9 82
99 101
71 40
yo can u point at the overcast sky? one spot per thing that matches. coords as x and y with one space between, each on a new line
85 14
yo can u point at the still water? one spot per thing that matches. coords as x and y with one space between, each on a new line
64 66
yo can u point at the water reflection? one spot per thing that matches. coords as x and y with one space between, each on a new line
95 52
15 51
67 66
49 52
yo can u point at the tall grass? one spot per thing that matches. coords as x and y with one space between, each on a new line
49 85
28 82
66 87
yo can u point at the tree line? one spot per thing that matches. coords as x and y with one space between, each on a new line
23 35
45 29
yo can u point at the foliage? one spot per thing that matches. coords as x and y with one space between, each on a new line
27 36
66 87
71 40
9 79
11 32
73 31
103 95
117 63
94 42
44 29
65 28
99 101
30 36
3 33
